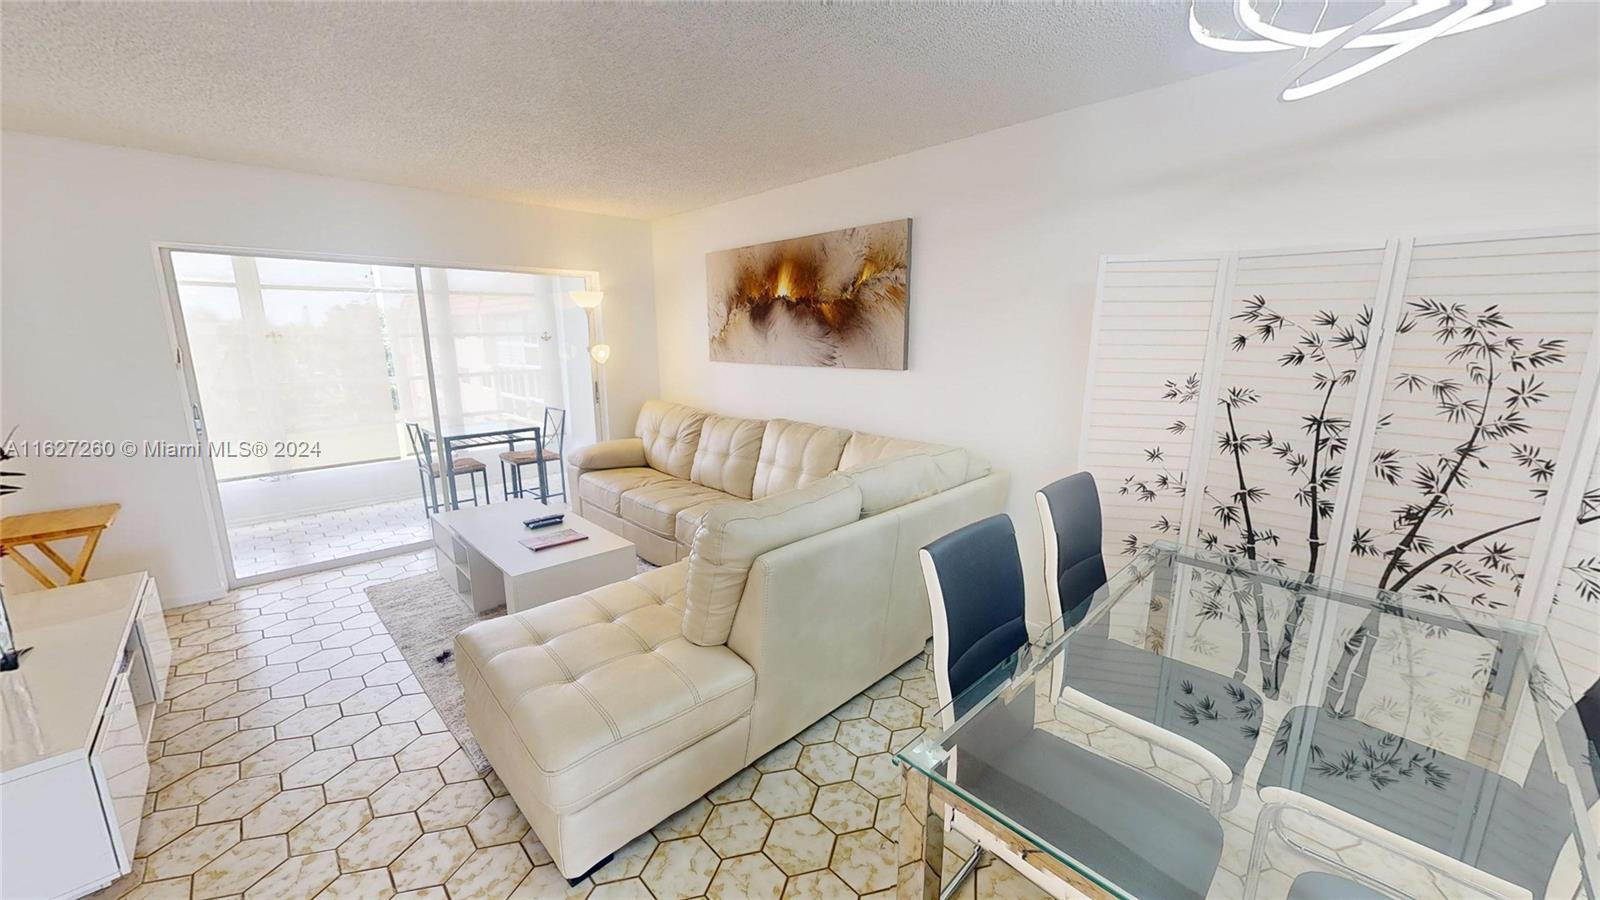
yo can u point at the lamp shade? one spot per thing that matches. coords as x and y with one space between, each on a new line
587 299
600 353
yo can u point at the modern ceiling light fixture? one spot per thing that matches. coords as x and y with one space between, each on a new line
1391 30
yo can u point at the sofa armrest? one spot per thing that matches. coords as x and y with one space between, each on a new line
811 623
618 454
823 618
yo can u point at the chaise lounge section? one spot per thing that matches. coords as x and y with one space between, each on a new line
606 712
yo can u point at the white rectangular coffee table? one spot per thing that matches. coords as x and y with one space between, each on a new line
478 552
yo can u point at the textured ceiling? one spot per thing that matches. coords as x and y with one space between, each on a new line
635 110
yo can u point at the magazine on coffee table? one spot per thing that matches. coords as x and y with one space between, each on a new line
557 538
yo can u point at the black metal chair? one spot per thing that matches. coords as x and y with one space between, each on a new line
554 432
1069 514
428 471
1045 783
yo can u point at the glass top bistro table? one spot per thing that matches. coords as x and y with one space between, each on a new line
453 435
1219 727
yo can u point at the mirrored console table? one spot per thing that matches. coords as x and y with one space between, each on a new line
74 724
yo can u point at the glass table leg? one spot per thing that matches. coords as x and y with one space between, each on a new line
921 839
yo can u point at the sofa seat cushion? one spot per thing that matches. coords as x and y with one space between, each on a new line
655 506
605 488
689 520
601 686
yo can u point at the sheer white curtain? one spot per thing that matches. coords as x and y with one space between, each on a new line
296 351
504 344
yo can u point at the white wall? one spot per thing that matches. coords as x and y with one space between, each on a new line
1497 130
85 348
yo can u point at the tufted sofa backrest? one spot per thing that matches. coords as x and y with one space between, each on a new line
727 455
954 465
671 434
794 454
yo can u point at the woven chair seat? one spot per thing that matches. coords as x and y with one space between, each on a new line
522 457
458 467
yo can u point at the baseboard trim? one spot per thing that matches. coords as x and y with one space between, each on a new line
341 562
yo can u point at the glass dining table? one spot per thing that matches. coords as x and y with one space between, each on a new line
1217 727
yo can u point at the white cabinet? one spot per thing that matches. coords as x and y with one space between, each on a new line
76 719
153 640
121 767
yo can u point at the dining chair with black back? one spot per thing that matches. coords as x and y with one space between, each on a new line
1075 567
428 470
976 593
976 598
973 575
551 449
1517 837
1112 680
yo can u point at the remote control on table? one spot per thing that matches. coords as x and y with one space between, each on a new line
543 521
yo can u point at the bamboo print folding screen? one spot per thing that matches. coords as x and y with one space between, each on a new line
1417 414
1573 620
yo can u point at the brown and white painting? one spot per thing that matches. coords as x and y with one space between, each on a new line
833 299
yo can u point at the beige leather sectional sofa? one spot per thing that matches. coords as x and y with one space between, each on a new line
606 712
655 487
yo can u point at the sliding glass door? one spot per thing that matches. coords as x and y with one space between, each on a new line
305 374
299 351
507 345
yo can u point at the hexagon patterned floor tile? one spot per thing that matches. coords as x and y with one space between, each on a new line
298 758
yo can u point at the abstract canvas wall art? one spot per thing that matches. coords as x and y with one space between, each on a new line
834 299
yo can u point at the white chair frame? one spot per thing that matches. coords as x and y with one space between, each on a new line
1226 785
985 841
1278 800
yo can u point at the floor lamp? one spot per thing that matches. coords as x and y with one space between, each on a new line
589 302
